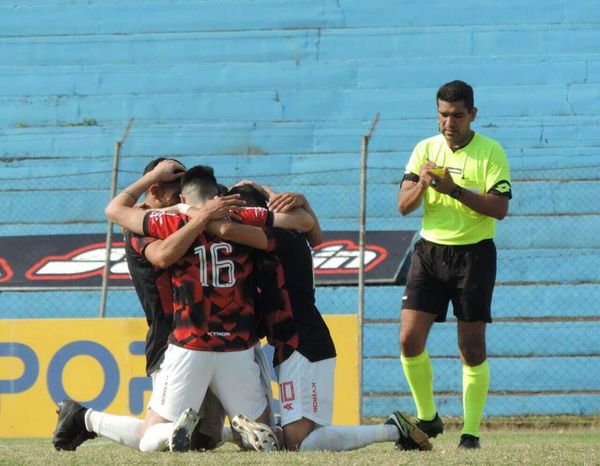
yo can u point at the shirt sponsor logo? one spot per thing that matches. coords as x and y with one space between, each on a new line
342 256
219 334
315 398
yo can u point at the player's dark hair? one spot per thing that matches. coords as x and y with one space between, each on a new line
455 91
252 196
201 181
153 163
222 189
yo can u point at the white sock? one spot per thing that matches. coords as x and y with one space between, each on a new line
156 438
227 434
344 438
122 429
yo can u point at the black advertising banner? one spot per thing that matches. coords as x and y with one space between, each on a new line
336 260
68 261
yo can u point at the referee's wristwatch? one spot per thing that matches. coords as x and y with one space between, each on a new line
456 193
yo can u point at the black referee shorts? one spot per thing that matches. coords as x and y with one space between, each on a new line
464 275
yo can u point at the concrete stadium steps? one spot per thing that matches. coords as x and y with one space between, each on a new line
298 43
250 46
162 16
283 98
574 176
530 142
511 375
551 233
473 41
287 105
510 302
170 78
519 232
504 339
331 201
498 404
62 304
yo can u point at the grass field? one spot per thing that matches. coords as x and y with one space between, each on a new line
569 446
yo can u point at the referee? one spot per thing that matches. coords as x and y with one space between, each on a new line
462 179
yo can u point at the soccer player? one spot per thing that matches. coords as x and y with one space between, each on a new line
463 180
213 337
306 378
153 285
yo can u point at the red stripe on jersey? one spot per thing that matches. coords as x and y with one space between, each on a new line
254 216
162 224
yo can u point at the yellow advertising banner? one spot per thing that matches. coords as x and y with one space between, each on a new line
101 364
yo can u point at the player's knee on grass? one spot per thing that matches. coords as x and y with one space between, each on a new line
295 432
151 419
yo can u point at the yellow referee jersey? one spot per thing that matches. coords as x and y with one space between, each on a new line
482 167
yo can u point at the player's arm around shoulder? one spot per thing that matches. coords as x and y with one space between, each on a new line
290 212
122 211
247 235
166 252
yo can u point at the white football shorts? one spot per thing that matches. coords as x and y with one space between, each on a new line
185 375
306 389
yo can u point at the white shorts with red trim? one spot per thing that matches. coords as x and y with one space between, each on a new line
185 375
306 389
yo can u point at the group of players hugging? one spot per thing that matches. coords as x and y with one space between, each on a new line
215 270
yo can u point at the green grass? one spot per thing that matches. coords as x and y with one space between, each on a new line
569 446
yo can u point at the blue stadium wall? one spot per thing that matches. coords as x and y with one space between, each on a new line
281 91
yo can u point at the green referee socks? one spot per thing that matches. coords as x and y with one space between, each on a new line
419 375
476 382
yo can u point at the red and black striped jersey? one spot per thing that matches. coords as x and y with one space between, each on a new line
212 290
295 256
272 307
